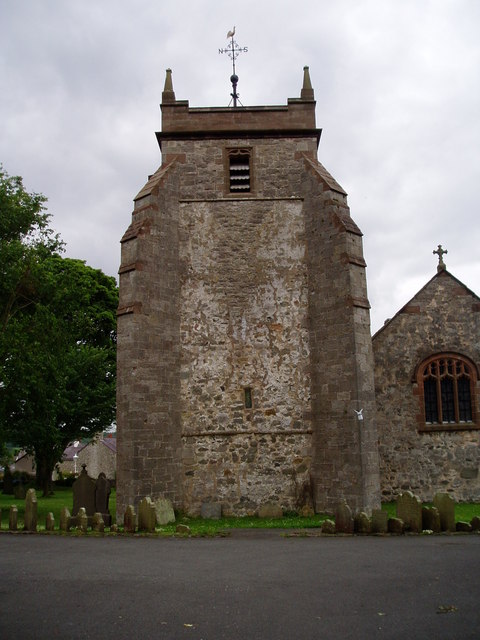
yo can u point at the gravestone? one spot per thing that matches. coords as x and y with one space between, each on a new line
379 521
475 522
328 526
84 493
7 482
409 509
211 510
30 519
270 510
13 518
431 519
50 522
146 515
182 528
65 519
446 508
464 527
343 518
97 522
102 496
395 526
82 519
164 511
362 524
129 519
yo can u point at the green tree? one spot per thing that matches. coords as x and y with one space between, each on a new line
57 342
25 240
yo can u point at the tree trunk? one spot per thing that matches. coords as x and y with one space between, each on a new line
44 470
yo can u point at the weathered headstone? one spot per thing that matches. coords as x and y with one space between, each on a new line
50 522
97 522
328 526
379 521
146 515
102 496
475 522
65 519
84 493
164 511
270 510
431 519
395 526
114 528
182 528
13 518
362 524
30 519
129 519
446 508
343 518
7 481
82 519
464 527
211 510
409 509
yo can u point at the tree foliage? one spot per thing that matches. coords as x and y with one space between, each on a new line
58 341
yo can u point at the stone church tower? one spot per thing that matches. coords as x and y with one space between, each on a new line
244 349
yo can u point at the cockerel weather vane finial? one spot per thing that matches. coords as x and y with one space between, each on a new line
233 51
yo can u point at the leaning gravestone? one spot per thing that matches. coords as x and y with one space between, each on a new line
50 522
409 509
146 515
431 519
379 521
164 511
97 522
65 519
30 511
343 518
82 519
13 518
446 508
129 519
362 524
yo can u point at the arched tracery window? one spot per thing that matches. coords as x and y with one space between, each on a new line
447 384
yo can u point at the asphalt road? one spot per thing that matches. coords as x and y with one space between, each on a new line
249 586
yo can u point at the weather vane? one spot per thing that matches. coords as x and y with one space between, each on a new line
233 51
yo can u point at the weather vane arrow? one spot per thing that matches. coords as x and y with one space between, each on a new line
233 51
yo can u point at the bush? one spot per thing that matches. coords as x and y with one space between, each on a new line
65 479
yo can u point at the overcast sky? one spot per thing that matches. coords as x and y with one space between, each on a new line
397 84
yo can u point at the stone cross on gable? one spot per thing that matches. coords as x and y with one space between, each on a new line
440 252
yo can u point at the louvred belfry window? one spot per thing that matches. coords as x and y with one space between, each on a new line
239 171
448 383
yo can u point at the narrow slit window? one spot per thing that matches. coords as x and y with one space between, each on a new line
239 168
248 398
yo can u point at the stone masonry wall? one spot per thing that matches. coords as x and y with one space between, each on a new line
443 317
244 325
345 463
